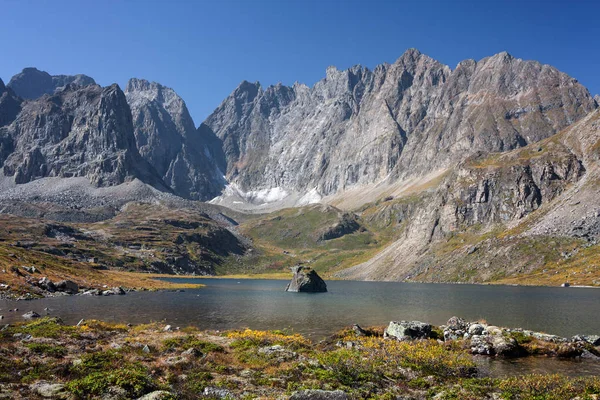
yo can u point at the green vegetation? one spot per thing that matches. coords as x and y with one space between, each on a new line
265 364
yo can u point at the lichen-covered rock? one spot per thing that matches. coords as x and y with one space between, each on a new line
31 315
406 330
319 395
306 280
50 390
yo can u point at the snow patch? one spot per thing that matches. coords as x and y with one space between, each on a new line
311 197
263 196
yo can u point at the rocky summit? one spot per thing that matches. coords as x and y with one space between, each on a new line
32 83
167 138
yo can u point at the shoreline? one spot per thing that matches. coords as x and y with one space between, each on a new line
410 358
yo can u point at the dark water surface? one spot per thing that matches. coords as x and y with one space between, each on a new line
263 304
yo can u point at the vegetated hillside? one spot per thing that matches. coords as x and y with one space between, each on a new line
140 238
525 216
321 236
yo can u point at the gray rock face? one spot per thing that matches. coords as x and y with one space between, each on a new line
67 287
400 120
10 105
77 132
305 280
32 83
167 138
406 330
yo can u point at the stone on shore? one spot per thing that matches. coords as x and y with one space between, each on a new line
319 395
67 286
50 390
306 280
407 330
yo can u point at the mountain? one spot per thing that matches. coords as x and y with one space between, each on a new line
399 121
10 105
167 138
32 83
79 131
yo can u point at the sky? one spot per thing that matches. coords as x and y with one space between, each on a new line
204 48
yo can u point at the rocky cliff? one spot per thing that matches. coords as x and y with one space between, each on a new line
10 105
400 120
32 83
167 138
79 131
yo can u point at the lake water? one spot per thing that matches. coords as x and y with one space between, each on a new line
263 304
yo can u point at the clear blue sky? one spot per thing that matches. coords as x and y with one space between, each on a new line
205 48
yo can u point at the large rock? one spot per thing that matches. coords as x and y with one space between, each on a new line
50 390
319 395
306 280
405 330
67 286
157 395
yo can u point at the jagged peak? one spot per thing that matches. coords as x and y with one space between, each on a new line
249 89
2 86
140 84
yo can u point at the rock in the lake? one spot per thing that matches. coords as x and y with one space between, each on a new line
319 395
405 330
118 290
67 286
306 280
31 315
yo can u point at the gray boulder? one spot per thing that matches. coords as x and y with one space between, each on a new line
157 395
306 280
319 395
456 323
47 285
218 393
67 286
50 390
405 330
31 315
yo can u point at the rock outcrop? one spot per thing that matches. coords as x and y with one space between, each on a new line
167 138
408 330
400 120
10 105
77 132
32 83
305 280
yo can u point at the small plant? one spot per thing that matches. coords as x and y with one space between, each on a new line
46 349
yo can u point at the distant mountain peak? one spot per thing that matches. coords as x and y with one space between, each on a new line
32 83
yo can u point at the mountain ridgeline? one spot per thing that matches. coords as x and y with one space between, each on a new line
420 166
354 127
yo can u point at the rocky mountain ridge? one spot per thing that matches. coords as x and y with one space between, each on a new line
32 83
358 126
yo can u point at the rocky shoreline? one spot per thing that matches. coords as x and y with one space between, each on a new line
44 358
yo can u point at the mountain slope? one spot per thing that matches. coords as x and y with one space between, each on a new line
494 216
359 127
80 131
